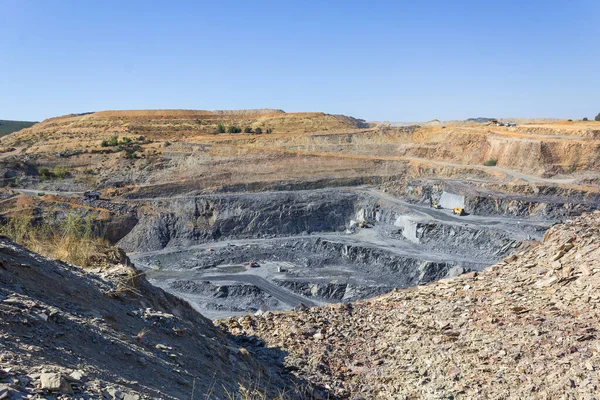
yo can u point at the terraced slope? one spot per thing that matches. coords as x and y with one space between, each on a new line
176 124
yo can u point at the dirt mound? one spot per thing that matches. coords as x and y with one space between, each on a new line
527 327
110 333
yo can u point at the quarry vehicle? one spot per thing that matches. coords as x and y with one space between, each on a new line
253 264
435 204
458 211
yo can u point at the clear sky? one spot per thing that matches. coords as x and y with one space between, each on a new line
402 60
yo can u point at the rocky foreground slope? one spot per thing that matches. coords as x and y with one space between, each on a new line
109 334
527 327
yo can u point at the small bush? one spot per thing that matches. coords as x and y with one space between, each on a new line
269 130
597 117
220 128
61 172
45 174
126 140
247 130
584 119
113 141
570 120
258 131
490 163
234 129
104 143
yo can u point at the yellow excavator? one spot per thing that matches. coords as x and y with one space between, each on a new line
435 205
458 211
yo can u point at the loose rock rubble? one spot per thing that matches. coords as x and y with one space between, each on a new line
527 327
108 334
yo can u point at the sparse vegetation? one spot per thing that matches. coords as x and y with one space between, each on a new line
45 174
491 162
220 128
61 172
74 238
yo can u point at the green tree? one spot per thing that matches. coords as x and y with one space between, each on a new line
220 128
258 131
234 129
247 130
597 117
584 119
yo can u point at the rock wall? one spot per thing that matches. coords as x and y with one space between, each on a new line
194 220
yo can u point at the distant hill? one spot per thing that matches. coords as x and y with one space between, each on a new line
177 124
7 127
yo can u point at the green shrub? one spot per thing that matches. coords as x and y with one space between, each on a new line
597 117
220 128
258 131
104 143
247 130
584 119
113 141
126 140
491 162
45 174
269 130
234 129
61 172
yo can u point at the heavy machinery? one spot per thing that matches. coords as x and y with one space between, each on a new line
435 205
458 211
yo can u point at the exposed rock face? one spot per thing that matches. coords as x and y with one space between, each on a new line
535 201
187 221
524 328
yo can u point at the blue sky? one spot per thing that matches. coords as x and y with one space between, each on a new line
378 60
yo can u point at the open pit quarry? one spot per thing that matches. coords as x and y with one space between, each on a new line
325 212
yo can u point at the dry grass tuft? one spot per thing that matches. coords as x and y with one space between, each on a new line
74 239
